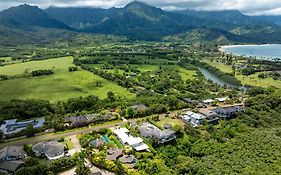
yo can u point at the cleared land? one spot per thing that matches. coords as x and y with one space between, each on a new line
58 87
57 64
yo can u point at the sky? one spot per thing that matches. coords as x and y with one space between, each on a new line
250 7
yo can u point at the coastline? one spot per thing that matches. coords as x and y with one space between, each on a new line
224 47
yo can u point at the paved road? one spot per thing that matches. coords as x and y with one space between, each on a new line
33 140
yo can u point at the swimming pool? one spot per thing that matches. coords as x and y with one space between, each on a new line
105 138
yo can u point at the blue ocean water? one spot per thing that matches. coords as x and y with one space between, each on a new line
267 52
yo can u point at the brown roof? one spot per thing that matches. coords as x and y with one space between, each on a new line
113 153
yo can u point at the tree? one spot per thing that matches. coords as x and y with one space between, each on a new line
30 131
111 96
81 168
1 135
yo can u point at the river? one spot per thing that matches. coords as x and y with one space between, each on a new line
209 76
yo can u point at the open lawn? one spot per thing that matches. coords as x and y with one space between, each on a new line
220 66
57 64
59 87
254 80
169 120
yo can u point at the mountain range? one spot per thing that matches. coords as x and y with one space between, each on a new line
137 21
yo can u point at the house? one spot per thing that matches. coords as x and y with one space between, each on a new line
52 150
10 153
75 121
113 154
10 167
208 101
229 111
12 126
186 100
193 118
148 130
207 113
139 107
97 143
221 100
128 160
125 138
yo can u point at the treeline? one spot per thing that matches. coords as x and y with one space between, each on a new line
36 73
229 78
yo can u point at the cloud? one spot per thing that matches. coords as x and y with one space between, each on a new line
252 7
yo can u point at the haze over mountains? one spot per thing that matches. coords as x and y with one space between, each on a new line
137 21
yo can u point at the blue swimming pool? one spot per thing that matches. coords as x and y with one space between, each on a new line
105 138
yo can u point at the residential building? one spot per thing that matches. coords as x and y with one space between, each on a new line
97 143
125 138
229 111
128 160
193 118
208 101
81 120
113 153
139 107
207 113
10 167
12 126
148 130
52 150
12 153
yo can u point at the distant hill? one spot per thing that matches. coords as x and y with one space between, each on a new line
273 19
26 17
234 17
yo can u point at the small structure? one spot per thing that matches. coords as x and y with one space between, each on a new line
193 118
124 136
207 113
113 154
128 160
139 107
75 121
52 150
12 126
208 101
221 100
10 167
97 143
229 111
10 153
186 100
148 130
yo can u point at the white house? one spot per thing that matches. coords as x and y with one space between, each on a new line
193 118
125 138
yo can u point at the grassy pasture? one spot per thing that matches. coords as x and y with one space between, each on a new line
58 87
58 64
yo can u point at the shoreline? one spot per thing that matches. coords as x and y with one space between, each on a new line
222 48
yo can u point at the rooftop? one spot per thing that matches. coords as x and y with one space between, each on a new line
113 153
11 151
12 126
52 150
10 166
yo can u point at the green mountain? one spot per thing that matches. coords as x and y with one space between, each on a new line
27 17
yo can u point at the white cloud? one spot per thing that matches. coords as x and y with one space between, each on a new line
253 7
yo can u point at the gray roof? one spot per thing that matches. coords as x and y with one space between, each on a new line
206 112
139 107
113 153
13 126
12 151
230 109
77 120
50 149
149 130
127 159
97 143
10 166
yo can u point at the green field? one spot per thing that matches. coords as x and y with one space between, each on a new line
58 87
171 121
57 64
252 80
